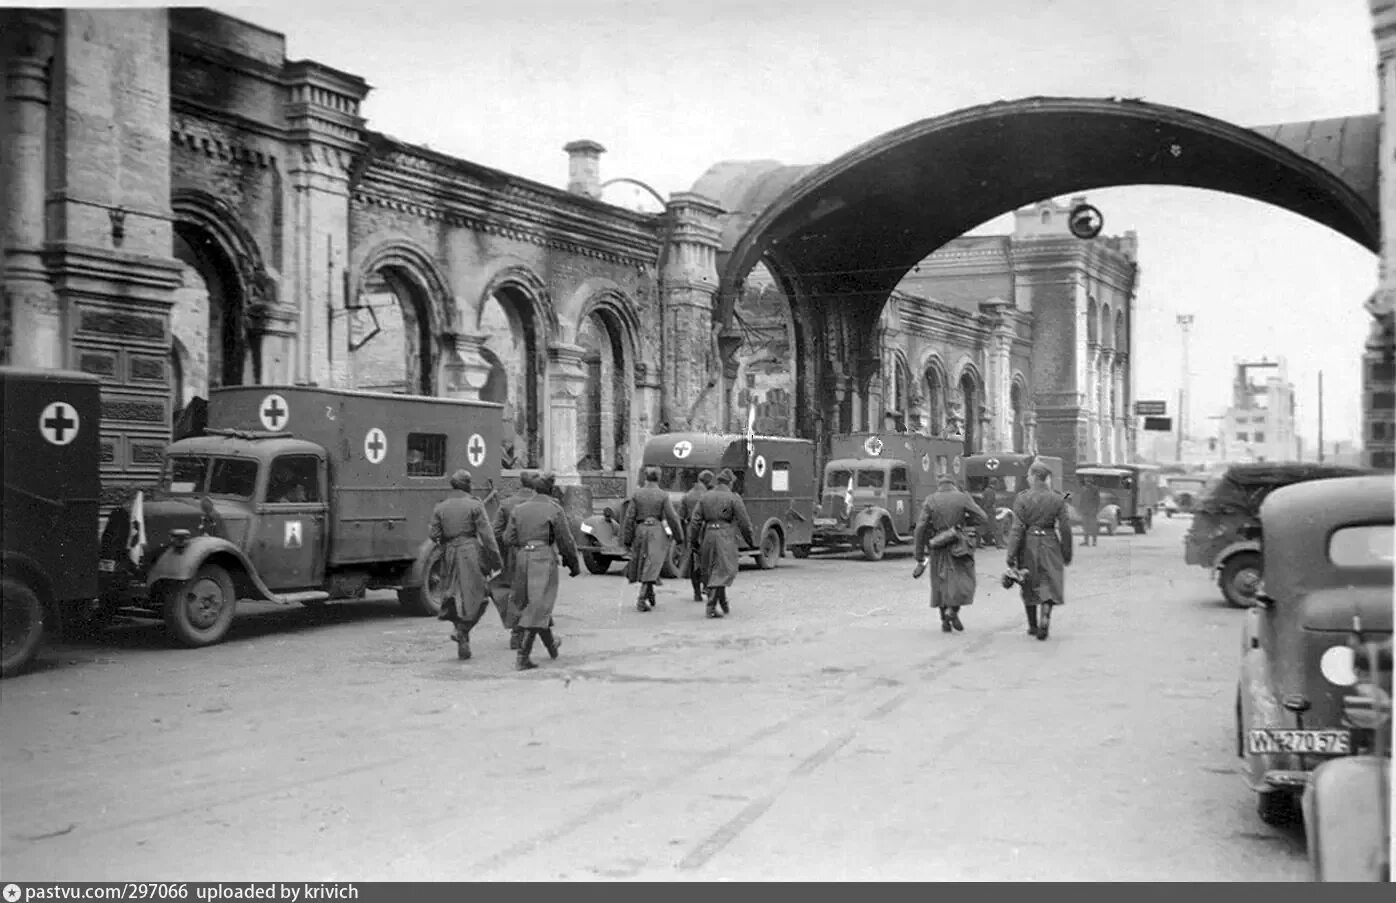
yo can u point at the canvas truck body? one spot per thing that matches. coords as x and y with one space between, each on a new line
50 458
774 475
874 485
297 494
1326 596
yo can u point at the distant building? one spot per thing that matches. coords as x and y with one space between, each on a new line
1259 424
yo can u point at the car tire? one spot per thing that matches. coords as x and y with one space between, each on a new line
874 542
770 550
596 563
199 611
1240 574
1276 807
23 632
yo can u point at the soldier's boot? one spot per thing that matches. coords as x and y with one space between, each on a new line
516 636
640 603
551 643
649 589
722 600
712 603
1031 610
1044 620
697 585
945 624
462 636
955 618
524 662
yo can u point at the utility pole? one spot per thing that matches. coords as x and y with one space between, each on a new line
1184 323
1320 416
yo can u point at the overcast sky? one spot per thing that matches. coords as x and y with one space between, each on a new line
671 88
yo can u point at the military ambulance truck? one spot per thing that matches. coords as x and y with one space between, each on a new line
295 494
874 484
774 476
48 529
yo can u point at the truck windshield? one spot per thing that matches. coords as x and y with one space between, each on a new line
871 479
679 479
837 480
199 475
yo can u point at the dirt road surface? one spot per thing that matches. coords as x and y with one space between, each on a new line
826 729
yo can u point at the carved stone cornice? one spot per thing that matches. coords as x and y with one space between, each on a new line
187 135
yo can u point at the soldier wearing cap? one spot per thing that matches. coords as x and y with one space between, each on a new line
1041 546
647 515
539 535
940 530
712 530
461 530
687 506
508 614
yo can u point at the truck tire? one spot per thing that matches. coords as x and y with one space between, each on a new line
199 611
769 555
425 600
596 563
1240 575
874 541
23 613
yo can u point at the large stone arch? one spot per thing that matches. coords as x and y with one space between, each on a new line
968 385
428 308
607 327
516 349
1019 408
872 214
935 388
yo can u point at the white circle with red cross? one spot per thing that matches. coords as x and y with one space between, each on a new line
760 465
683 448
58 423
274 413
375 445
475 450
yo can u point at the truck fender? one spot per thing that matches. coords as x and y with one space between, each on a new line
181 564
1243 545
772 523
872 517
27 571
1343 819
603 531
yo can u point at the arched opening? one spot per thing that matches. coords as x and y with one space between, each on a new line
208 317
935 401
1015 404
970 397
767 374
900 392
603 414
513 351
391 345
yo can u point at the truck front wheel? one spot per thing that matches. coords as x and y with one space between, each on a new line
23 613
199 611
596 562
874 541
769 555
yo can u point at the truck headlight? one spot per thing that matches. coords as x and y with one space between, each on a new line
1337 666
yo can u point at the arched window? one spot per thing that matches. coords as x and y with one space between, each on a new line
969 393
512 348
390 338
603 419
1092 321
901 390
1015 403
935 401
208 311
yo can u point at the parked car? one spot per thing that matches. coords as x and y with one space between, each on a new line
1328 576
1230 508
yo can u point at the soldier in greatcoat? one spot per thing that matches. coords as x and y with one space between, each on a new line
940 530
687 505
713 529
539 535
508 613
1041 547
1089 507
648 513
460 528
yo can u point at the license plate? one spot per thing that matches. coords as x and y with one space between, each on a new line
106 566
1264 741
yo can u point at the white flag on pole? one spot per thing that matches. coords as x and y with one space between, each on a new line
135 546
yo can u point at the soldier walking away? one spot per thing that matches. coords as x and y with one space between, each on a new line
648 513
539 535
712 529
1041 546
687 505
1089 506
460 528
941 529
989 502
508 613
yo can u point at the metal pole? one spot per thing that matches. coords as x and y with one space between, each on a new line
1185 323
1320 416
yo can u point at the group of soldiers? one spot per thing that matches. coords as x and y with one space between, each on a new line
1039 547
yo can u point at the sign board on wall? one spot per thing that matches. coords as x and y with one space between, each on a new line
1158 424
1150 408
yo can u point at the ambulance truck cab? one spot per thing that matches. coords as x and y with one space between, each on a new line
295 494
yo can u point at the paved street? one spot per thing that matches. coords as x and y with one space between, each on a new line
827 729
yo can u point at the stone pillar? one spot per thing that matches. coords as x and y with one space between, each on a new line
30 306
275 329
874 405
999 376
325 131
688 285
645 413
1092 399
1104 392
566 379
466 367
1379 362
1029 433
835 392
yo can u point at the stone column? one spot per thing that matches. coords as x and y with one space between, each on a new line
1092 398
873 392
31 310
275 329
835 391
566 379
644 412
1379 361
1105 390
999 377
1029 433
688 287
466 368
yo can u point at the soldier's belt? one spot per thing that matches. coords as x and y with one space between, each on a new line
650 521
529 547
1041 531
